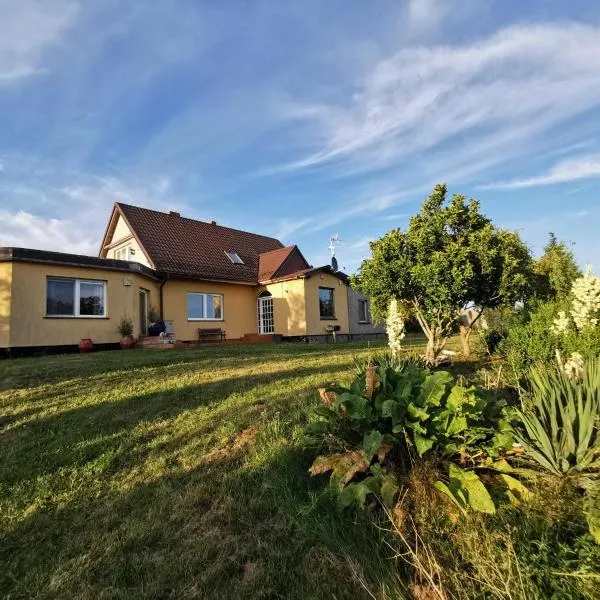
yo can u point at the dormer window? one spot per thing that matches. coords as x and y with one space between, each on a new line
234 258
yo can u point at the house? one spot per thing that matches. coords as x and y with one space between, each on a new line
196 275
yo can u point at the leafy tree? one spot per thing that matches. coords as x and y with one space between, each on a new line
555 271
450 257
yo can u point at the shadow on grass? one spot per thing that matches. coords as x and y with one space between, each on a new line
226 529
27 373
62 439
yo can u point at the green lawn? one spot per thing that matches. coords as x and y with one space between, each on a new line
176 474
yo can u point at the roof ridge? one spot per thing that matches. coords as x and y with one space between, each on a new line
279 249
208 223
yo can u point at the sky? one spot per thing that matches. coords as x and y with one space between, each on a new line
299 119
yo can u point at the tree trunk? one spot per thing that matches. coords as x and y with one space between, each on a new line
435 344
465 338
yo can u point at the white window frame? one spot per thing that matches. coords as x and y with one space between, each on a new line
126 249
234 257
205 306
77 298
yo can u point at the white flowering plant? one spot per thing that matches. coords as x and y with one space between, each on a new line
585 305
395 327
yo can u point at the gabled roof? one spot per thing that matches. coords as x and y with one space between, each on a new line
310 272
281 262
189 248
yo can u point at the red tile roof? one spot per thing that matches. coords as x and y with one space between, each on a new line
196 249
281 262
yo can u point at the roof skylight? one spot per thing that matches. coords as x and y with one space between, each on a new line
234 258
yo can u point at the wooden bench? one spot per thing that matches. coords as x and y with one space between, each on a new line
211 333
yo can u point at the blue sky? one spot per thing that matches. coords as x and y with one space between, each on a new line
299 119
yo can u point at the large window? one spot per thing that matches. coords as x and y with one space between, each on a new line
326 305
75 298
205 307
363 311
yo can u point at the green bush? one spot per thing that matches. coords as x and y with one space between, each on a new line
529 339
559 418
389 416
558 428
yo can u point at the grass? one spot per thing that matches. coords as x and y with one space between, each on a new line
177 474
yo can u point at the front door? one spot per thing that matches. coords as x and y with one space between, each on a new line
143 312
266 322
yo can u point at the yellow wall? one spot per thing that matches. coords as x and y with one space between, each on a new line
30 327
314 324
123 232
5 296
289 307
239 308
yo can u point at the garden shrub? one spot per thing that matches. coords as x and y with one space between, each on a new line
558 428
390 415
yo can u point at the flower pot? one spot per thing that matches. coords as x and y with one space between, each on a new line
127 342
86 345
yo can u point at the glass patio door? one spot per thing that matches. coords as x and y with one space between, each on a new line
266 323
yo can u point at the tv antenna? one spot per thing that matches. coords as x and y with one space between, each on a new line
334 240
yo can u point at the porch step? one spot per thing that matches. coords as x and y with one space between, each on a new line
153 341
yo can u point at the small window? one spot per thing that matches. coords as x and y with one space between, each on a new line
205 307
75 298
326 305
234 258
123 253
363 311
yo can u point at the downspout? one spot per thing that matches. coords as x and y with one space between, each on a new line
160 297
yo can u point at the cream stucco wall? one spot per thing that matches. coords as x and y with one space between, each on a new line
239 308
122 232
314 324
289 307
5 303
29 325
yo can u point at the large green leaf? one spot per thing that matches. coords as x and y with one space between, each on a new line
457 424
434 388
476 496
371 443
458 501
416 412
457 397
422 443
354 494
357 407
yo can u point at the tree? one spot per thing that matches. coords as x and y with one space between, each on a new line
450 257
555 271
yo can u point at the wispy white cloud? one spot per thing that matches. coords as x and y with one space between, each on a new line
23 229
287 227
393 217
572 169
72 217
27 29
517 82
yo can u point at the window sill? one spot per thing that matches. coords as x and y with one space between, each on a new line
364 322
74 318
206 320
329 318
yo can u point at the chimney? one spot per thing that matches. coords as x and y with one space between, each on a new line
172 213
213 222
